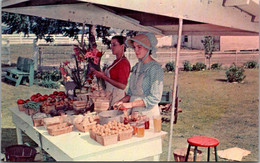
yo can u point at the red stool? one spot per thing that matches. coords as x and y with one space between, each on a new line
202 141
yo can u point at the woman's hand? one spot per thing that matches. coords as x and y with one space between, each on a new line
99 74
122 106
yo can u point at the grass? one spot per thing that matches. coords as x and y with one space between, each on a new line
213 107
210 107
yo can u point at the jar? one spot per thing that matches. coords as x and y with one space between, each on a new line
133 124
146 123
140 130
134 115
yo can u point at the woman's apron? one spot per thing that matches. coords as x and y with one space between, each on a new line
117 93
137 94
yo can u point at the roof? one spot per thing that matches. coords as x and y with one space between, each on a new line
200 17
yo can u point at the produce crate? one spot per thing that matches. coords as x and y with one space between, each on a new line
21 108
77 105
86 127
47 109
92 134
59 129
52 121
30 111
38 119
101 105
107 140
123 135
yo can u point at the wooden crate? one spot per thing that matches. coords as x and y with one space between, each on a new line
21 108
124 135
59 129
107 140
86 127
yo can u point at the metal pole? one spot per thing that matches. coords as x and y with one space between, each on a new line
175 86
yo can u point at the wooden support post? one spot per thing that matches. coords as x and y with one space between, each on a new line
175 85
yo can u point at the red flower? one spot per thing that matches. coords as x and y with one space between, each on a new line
99 54
66 63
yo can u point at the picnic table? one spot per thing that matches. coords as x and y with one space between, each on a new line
78 146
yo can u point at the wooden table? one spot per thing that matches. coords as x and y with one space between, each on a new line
78 146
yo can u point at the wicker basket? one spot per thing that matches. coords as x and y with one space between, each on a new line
180 155
59 129
47 109
92 134
86 127
30 111
20 153
21 108
124 135
107 140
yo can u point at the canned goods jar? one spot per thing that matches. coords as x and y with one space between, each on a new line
140 130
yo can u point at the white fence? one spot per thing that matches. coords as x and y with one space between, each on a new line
20 39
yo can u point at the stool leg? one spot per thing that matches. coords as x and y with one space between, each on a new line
195 154
216 156
208 154
187 154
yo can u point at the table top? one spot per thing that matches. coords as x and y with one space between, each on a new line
76 143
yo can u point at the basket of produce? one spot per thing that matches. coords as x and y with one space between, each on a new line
80 105
58 129
20 103
125 133
110 115
47 107
31 107
84 123
38 119
106 139
52 121
20 153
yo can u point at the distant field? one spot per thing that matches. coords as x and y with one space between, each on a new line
54 55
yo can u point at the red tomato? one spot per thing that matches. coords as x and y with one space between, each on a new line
27 100
20 101
38 94
55 92
42 98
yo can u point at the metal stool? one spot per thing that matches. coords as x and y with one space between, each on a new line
202 141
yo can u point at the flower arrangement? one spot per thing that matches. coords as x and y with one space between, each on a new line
81 73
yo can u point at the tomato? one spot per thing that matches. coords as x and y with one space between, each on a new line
20 101
33 97
38 94
55 92
42 98
27 100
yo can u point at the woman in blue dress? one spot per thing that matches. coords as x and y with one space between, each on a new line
145 85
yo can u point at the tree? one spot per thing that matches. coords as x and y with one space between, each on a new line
43 28
209 47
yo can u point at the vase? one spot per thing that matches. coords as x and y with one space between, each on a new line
70 89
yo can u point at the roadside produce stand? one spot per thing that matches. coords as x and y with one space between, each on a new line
79 146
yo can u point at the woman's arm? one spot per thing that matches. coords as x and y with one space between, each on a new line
115 83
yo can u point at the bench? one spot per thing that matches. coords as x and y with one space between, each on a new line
23 72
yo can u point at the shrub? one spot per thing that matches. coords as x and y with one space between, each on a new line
235 74
216 66
251 64
199 66
187 66
170 66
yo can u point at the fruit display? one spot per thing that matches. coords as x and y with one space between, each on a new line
84 123
111 132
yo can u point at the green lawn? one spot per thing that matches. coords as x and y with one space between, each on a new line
211 106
